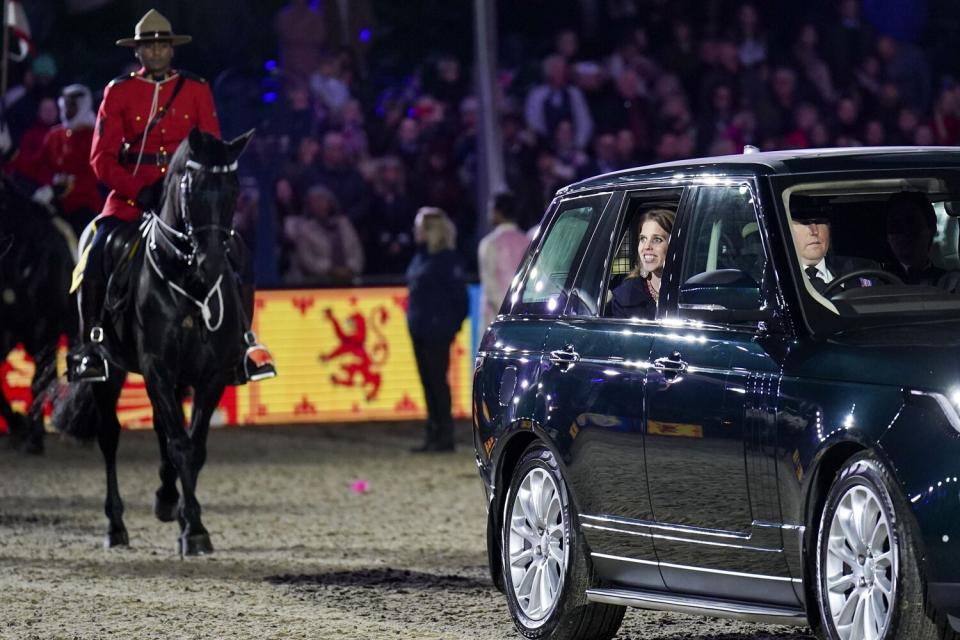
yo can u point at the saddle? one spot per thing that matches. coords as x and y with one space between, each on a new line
123 248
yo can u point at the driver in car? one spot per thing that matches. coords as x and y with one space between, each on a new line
811 237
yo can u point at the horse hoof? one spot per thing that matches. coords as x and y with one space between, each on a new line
116 539
165 511
197 544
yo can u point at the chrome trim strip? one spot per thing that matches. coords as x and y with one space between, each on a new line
676 539
699 606
679 528
684 567
608 556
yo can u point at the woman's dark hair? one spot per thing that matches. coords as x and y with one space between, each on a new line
664 218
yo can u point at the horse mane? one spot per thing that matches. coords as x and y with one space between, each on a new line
175 170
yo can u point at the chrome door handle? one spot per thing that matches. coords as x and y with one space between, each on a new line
567 355
670 365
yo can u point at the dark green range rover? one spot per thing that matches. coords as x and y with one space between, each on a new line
772 432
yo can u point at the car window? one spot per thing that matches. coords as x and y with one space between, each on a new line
723 233
544 289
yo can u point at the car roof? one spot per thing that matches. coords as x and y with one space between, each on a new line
793 161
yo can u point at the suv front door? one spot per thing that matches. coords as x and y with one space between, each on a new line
717 521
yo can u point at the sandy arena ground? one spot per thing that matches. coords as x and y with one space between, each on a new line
299 554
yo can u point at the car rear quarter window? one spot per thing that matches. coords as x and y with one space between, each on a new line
545 286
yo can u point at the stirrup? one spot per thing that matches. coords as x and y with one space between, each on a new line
91 366
257 362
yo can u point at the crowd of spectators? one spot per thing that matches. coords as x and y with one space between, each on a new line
353 152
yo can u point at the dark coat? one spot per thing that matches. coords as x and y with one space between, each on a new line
841 265
632 299
438 302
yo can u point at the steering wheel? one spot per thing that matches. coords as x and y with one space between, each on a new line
879 274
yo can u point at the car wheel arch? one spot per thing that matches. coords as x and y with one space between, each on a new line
827 464
520 436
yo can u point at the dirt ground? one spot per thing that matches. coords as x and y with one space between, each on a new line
300 552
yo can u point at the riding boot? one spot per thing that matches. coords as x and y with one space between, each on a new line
88 361
257 362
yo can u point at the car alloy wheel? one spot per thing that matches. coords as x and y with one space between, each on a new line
537 544
868 569
861 566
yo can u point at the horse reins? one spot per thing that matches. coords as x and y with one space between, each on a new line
153 227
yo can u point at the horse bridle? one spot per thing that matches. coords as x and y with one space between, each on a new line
153 228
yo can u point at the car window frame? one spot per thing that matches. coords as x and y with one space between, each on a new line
612 239
771 300
510 308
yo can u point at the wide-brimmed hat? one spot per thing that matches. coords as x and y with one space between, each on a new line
153 27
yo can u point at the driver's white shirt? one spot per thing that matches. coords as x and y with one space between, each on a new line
822 270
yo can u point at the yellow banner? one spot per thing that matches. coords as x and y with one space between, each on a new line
342 355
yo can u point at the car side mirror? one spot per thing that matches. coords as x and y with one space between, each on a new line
728 295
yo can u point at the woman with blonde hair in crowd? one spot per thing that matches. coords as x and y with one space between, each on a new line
436 309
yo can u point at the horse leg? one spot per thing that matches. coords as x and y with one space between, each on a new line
44 376
168 419
166 498
108 435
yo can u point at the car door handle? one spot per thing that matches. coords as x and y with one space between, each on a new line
670 365
567 355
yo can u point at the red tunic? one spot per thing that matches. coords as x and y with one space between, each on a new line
66 153
123 115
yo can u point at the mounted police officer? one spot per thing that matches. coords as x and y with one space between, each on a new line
143 118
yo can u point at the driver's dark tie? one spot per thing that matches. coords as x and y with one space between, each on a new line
818 283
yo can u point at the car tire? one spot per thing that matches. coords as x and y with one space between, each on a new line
546 570
869 584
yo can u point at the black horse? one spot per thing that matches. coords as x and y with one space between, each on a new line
36 260
178 320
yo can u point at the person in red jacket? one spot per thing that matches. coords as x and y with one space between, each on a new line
143 118
63 169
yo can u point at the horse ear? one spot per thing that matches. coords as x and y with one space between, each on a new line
195 139
238 144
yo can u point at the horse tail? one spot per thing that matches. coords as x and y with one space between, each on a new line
75 412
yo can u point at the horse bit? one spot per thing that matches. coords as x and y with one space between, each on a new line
153 228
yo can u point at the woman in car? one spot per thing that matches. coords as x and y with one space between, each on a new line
637 296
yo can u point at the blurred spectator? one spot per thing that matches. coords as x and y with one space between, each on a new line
301 38
905 66
408 144
65 175
716 118
336 173
437 182
324 247
946 114
327 85
847 40
555 100
445 81
349 121
751 41
390 242
806 52
294 118
680 56
28 159
437 306
604 157
499 255
874 133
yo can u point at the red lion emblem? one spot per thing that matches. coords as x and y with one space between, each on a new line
358 359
